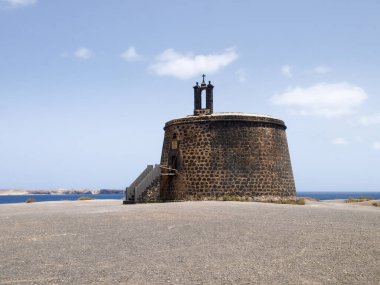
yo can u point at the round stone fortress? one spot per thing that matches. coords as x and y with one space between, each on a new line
209 155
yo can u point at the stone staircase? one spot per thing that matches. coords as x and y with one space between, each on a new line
152 192
146 186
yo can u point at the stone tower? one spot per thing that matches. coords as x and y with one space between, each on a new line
210 155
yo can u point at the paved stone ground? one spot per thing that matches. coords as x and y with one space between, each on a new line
104 242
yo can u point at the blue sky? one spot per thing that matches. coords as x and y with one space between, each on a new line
86 86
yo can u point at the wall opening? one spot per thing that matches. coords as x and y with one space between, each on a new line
174 162
203 99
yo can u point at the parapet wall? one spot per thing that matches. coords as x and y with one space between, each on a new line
226 154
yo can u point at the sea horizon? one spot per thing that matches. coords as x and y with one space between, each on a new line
320 195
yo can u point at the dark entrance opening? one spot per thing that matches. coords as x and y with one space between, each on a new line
174 162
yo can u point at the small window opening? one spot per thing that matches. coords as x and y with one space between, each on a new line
174 144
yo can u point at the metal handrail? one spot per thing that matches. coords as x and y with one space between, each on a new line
168 168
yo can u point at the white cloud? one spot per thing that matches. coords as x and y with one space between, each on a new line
131 55
185 66
322 100
376 145
242 75
340 141
286 70
83 53
18 3
370 120
322 69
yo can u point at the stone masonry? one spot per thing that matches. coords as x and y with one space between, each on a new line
210 155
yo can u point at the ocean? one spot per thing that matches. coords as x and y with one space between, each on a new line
338 195
9 199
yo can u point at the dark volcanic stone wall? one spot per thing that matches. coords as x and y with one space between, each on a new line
221 155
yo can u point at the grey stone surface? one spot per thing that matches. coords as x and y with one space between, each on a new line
104 242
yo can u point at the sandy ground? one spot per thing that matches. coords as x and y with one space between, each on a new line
104 242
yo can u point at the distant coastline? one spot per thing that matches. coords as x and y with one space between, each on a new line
63 194
59 191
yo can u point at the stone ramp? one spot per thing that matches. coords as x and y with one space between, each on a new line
147 181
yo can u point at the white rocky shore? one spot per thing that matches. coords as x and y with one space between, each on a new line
58 191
